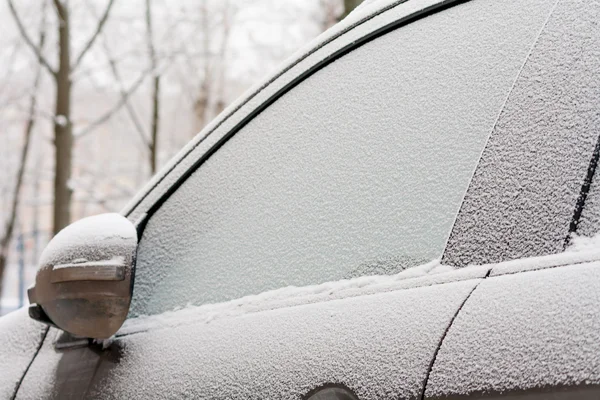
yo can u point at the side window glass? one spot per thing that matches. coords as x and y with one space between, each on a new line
358 170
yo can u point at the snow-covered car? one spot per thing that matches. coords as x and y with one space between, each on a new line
406 209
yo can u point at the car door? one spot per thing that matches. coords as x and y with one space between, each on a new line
531 330
21 337
351 163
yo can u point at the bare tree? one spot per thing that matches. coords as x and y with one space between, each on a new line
9 225
153 147
63 127
157 66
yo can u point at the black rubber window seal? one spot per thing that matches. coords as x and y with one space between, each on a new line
583 193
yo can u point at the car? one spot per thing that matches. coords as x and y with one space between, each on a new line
406 209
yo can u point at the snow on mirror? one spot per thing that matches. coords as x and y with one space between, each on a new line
358 170
83 284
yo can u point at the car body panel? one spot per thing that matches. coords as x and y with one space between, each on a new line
379 345
20 338
359 334
528 332
62 369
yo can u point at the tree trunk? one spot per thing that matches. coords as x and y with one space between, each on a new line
154 127
63 132
203 99
153 147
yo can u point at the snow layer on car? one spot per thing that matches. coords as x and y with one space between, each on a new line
523 331
580 243
515 25
20 337
523 193
332 175
425 275
90 239
379 345
56 374
582 249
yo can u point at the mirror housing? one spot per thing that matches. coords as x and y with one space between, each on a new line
85 278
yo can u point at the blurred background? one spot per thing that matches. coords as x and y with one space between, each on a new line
96 95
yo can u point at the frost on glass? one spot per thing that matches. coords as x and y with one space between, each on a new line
20 337
523 194
523 331
360 169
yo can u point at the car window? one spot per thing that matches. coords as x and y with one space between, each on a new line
360 169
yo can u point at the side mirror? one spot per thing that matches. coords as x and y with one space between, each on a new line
84 282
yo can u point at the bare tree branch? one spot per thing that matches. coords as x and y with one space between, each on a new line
171 34
92 39
118 58
36 49
112 63
107 115
123 93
